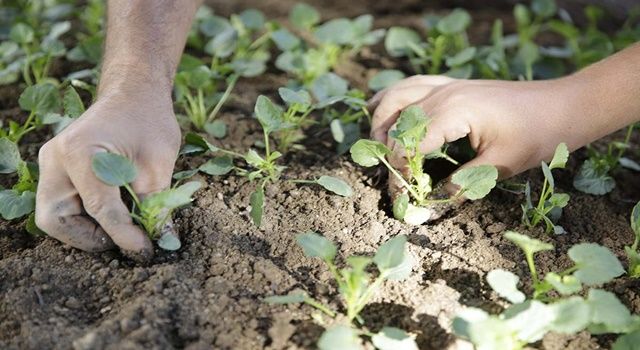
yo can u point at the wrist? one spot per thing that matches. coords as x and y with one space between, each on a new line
134 77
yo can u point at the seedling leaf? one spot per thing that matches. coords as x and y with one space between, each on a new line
329 85
571 315
269 115
399 41
476 182
608 314
292 298
627 342
316 246
635 219
565 285
592 180
411 127
73 106
391 253
455 22
169 241
596 264
560 157
113 169
257 206
368 153
415 215
304 16
40 99
529 320
391 338
9 156
172 198
291 97
340 337
400 206
335 185
505 284
217 129
217 166
14 205
385 78
527 244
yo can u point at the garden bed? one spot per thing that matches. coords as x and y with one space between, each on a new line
209 293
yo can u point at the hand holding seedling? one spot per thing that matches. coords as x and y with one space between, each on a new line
515 125
133 117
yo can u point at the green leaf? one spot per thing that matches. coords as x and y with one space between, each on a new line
596 264
391 253
634 262
169 242
73 106
528 53
269 115
113 169
31 227
329 85
183 175
385 78
337 31
223 44
505 284
252 19
402 271
560 157
455 22
290 97
529 320
340 337
14 205
285 40
462 57
565 285
257 206
546 171
292 298
527 244
198 144
316 246
607 312
368 153
400 40
391 338
411 127
40 99
9 156
593 180
21 33
400 206
628 341
217 166
214 25
476 182
217 129
172 198
465 319
304 16
572 315
544 8
248 68
335 185
492 333
415 215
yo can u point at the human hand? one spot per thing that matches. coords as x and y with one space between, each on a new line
137 123
511 125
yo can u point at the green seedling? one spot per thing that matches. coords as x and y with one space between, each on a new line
19 201
45 107
632 252
152 212
239 47
528 320
357 288
594 176
447 45
91 39
321 47
384 79
278 124
550 203
30 51
411 128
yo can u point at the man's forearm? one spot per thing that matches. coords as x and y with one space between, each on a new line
144 41
607 94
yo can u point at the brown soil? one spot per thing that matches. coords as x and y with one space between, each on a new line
208 294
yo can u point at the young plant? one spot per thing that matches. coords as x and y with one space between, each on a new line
239 48
276 123
411 128
550 203
594 176
43 102
152 212
18 201
357 288
632 252
323 46
528 320
447 45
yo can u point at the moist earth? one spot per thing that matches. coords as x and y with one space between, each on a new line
209 293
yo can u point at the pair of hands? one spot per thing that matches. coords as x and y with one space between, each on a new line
512 125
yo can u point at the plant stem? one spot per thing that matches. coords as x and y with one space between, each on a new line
361 302
532 267
627 138
303 181
266 144
230 85
318 305
400 177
